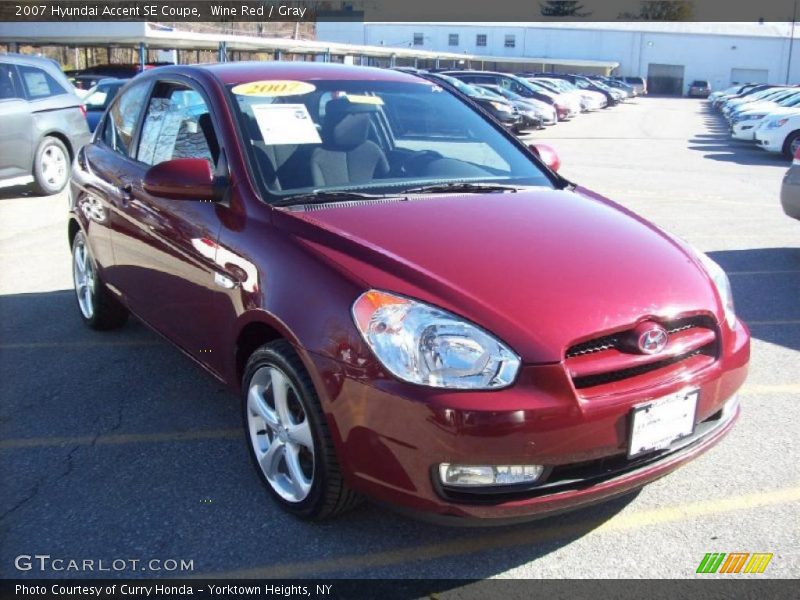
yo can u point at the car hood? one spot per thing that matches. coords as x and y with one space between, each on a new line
541 269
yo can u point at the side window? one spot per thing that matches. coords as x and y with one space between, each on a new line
121 119
177 125
8 83
39 84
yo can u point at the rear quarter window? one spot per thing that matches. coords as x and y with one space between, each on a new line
39 84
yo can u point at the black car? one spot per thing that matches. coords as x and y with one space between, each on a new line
499 108
509 82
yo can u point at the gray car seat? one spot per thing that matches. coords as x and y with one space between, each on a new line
346 155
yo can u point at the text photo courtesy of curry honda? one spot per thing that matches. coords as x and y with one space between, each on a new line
369 299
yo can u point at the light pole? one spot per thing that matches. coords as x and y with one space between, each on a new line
791 43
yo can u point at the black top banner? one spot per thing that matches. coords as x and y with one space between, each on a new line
510 11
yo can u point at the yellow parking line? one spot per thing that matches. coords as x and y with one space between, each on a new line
123 438
521 536
83 344
779 322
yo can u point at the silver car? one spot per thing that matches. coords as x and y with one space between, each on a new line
42 122
790 190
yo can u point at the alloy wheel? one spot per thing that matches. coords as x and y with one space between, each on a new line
280 433
54 166
83 275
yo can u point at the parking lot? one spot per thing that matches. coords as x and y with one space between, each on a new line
114 446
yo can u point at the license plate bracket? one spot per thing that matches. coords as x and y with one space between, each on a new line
656 424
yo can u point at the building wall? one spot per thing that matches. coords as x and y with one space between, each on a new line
704 56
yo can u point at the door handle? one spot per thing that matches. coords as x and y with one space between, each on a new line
127 193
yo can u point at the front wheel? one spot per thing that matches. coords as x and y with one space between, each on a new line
98 308
792 144
288 439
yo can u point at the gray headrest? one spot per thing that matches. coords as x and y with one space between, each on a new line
346 124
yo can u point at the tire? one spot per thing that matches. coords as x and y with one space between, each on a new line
51 165
791 140
97 308
317 491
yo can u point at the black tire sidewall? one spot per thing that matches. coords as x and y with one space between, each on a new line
273 355
89 321
40 184
787 145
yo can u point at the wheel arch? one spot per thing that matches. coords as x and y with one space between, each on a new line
73 227
61 137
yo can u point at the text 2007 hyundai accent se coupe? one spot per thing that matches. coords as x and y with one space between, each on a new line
413 307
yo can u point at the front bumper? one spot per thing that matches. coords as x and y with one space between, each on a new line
745 130
391 436
770 139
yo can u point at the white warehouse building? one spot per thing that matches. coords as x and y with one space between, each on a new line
669 54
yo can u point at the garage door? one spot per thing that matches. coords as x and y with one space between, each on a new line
665 80
749 76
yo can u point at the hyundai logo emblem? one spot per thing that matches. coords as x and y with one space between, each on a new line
652 338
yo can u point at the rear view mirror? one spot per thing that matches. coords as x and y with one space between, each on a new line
181 179
547 154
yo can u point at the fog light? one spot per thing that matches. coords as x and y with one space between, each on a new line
483 475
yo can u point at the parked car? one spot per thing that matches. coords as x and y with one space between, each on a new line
517 85
99 98
541 110
42 122
401 291
628 89
638 83
790 190
498 107
747 122
699 88
117 70
780 133
589 99
574 102
613 97
781 99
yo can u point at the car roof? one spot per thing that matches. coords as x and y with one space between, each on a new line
243 72
28 59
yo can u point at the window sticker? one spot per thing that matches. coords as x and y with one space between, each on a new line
285 124
274 88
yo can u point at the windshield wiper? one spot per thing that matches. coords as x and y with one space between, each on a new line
321 197
460 186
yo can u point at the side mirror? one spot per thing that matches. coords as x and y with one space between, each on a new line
547 154
182 179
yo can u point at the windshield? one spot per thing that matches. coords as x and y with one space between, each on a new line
368 136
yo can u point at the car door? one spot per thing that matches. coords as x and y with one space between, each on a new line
109 171
166 253
16 125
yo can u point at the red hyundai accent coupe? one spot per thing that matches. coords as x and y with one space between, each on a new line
414 307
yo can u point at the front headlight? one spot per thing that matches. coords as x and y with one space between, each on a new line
775 123
722 283
501 107
422 344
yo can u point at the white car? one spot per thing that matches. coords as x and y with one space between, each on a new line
589 99
780 133
745 128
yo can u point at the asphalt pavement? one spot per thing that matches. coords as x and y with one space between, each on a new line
113 446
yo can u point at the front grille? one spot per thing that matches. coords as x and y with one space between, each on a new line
692 343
